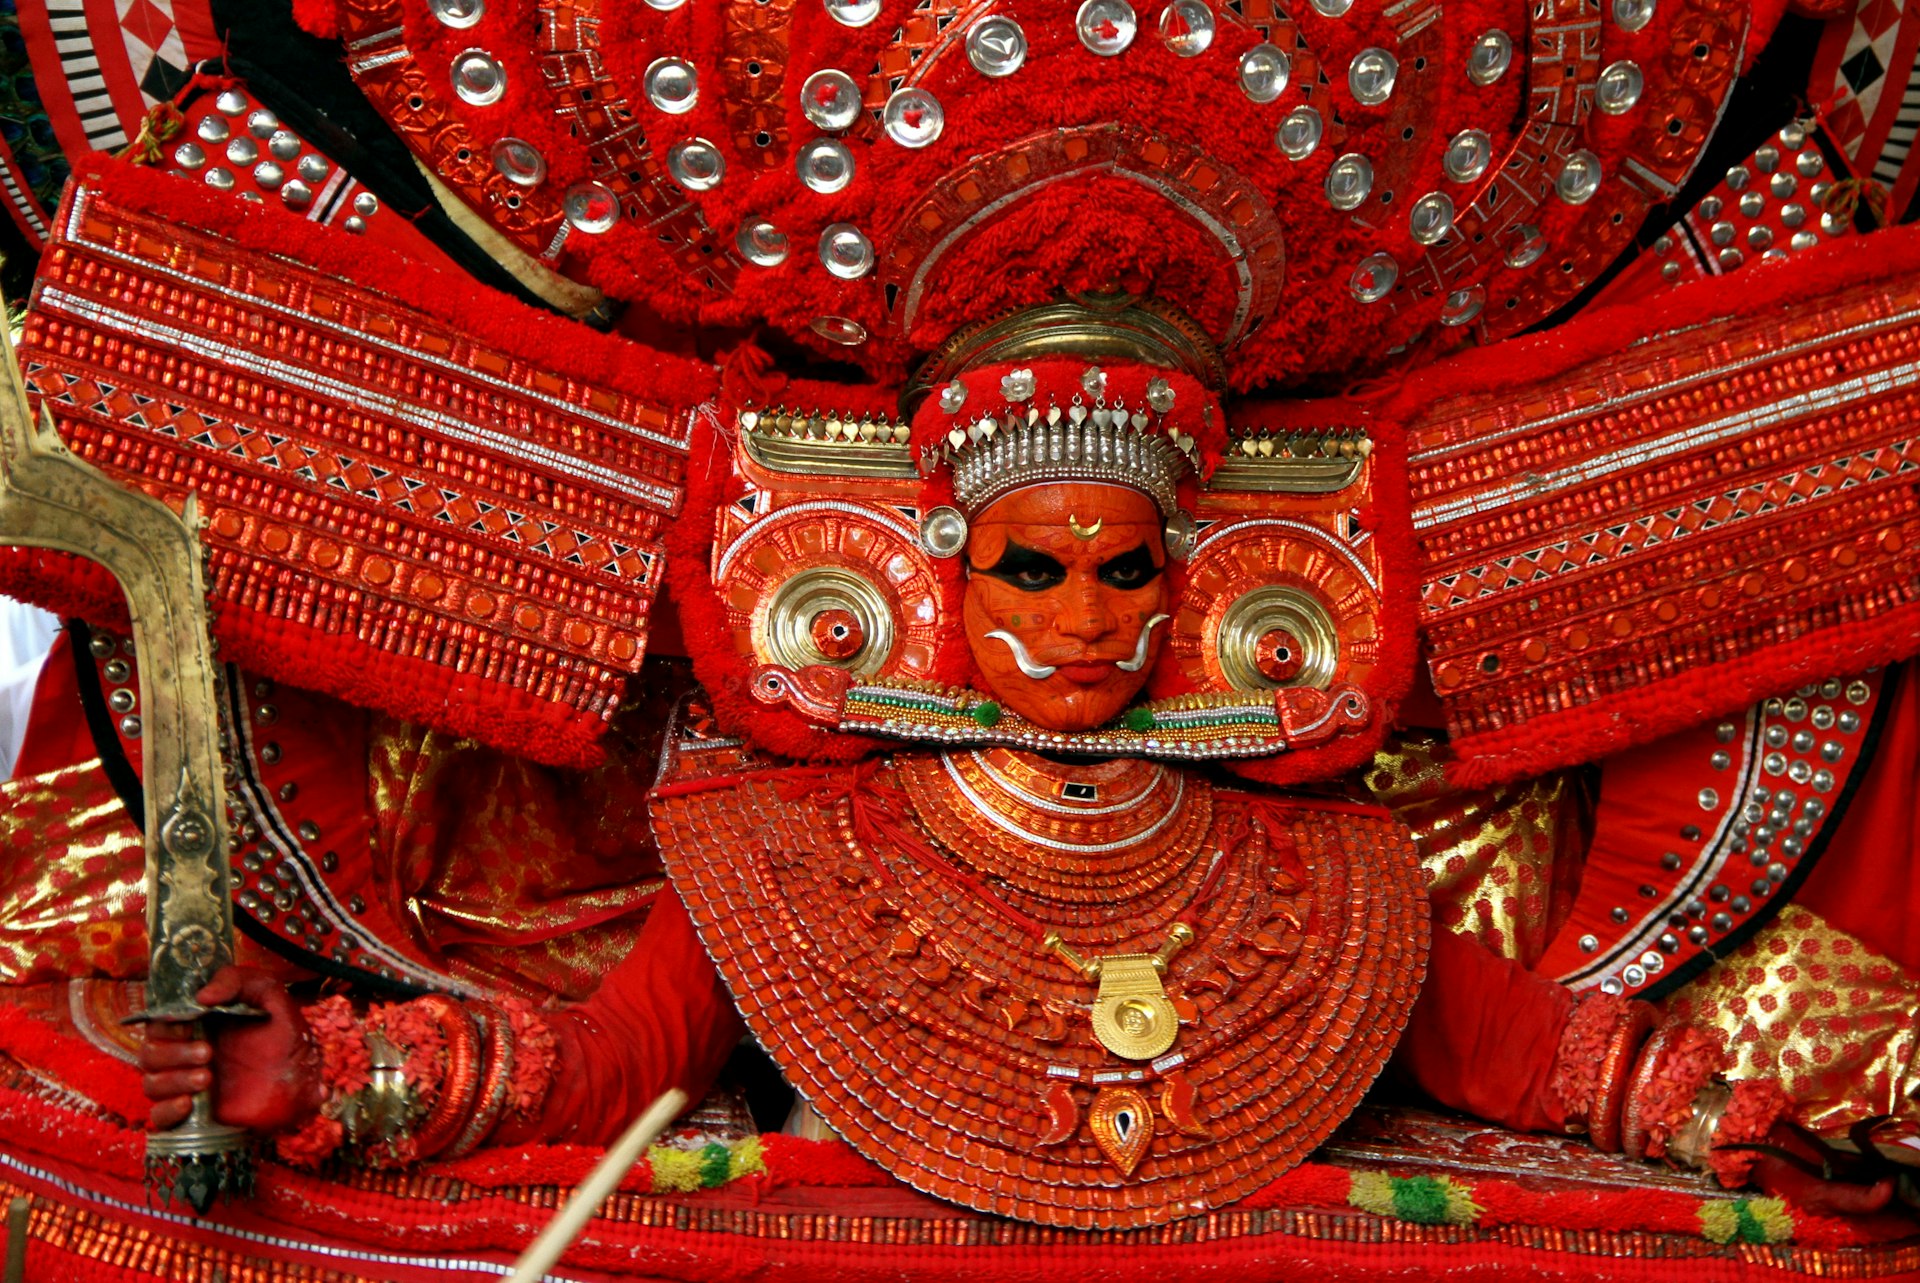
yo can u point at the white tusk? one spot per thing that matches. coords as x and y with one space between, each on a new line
1139 660
1039 672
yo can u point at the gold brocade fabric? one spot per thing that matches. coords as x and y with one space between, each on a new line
1505 863
72 888
1821 1011
516 876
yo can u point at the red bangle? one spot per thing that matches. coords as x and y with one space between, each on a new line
1630 1034
1757 1105
1577 1060
495 1079
461 1082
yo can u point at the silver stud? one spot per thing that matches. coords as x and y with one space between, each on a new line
269 175
519 162
1709 799
1331 8
116 670
1848 721
1431 218
1490 57
296 194
1526 247
1299 133
1589 944
824 165
366 204
1619 88
843 330
1579 178
845 251
996 46
213 129
1373 277
1759 237
313 168
1809 162
478 78
189 156
943 531
1186 27
1349 181
1371 76
853 13
1468 154
130 727
221 180
1738 178
695 164
1767 158
1264 72
1721 760
1834 225
1612 987
1463 305
243 151
1793 215
830 99
592 207
671 85
231 102
1783 185
458 14
913 117
121 701
1634 976
1105 27
762 244
1753 204
1631 15
261 123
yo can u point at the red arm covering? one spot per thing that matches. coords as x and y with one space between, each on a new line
1483 1035
661 1019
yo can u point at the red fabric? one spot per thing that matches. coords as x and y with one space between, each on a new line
1483 1036
57 733
1868 881
661 1019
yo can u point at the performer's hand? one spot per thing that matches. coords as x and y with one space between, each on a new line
1832 1195
265 1074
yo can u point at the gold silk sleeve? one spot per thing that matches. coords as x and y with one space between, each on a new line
1504 863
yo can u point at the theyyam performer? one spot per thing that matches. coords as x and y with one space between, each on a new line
1125 640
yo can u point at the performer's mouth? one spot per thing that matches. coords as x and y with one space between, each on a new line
1089 672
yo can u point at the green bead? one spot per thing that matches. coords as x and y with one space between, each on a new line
987 713
1139 719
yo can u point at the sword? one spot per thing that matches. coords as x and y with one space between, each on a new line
51 498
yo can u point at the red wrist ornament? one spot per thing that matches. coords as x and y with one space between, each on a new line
1677 1062
1593 1064
1757 1104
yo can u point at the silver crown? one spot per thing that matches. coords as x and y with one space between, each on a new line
996 457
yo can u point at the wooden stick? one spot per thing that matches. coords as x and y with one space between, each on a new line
17 1241
570 1220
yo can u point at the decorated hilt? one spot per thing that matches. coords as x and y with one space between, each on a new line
49 498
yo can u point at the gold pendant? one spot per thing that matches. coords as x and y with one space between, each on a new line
1132 1017
1122 1124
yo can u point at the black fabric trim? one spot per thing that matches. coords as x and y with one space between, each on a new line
1784 893
100 725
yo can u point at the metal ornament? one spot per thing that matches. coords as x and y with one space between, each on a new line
1619 88
1371 76
1490 57
1468 154
696 165
943 531
1264 71
1299 134
1121 1121
845 251
762 244
1180 534
1374 277
49 498
824 165
830 99
1186 27
1106 27
913 117
519 162
996 46
591 207
1349 181
671 85
1132 1016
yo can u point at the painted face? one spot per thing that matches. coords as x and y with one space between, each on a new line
1066 602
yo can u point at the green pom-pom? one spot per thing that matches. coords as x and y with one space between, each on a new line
987 713
1139 719
716 1165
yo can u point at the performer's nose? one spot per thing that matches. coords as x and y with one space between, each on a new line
1086 615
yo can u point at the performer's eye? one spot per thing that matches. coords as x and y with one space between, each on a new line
1028 570
1133 569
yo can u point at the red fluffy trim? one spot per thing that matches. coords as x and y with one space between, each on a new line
108 1082
1621 721
318 18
